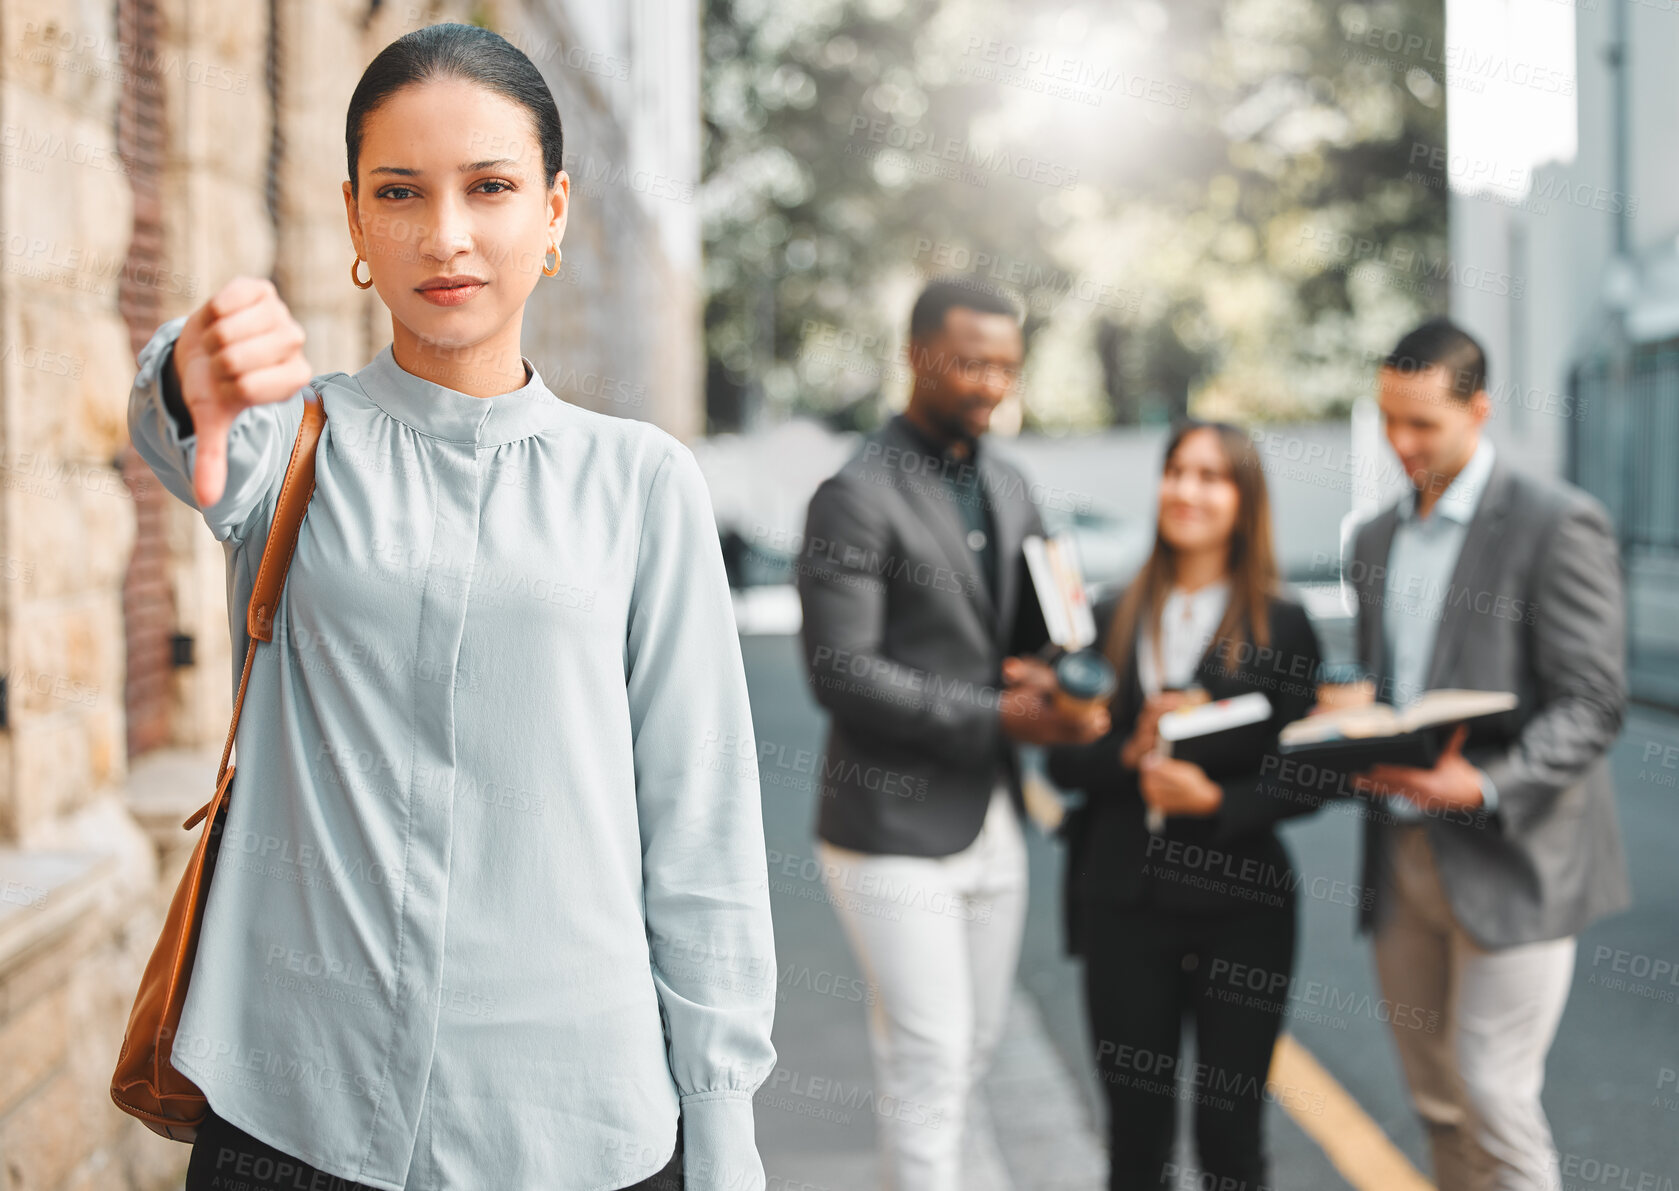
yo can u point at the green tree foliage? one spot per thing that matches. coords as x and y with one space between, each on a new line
1228 204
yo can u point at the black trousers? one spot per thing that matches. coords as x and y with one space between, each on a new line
1147 969
226 1158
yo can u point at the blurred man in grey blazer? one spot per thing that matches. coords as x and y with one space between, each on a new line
911 577
1483 869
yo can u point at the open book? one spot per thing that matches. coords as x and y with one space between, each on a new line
1355 738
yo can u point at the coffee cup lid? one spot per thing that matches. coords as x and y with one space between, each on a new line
1085 674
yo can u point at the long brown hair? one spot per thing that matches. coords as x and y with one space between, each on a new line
1251 564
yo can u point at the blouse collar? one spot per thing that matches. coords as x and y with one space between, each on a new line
449 414
1203 599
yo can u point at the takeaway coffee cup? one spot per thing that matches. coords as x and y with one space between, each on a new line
1083 679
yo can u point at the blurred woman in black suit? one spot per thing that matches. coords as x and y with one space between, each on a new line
1196 919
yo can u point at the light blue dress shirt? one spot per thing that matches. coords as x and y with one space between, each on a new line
491 904
1421 560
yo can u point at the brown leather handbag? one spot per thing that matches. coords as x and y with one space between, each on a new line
146 1085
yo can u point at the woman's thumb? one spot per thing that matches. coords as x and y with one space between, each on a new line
209 471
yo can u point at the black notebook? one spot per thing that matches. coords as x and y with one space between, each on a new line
1222 737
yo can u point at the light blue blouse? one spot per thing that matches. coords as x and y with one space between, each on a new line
491 904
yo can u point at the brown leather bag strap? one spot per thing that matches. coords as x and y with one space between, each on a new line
295 491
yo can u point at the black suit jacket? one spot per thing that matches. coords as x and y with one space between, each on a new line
904 644
1228 860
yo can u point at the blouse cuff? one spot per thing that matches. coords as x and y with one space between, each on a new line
173 399
719 1144
1489 791
151 383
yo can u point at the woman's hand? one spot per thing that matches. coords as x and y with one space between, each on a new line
1177 787
1146 734
239 349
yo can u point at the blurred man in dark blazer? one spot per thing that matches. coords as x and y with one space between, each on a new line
1485 867
911 579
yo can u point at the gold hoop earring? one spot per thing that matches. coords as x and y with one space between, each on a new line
359 283
546 271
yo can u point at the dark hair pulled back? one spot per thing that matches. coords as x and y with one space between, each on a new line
457 51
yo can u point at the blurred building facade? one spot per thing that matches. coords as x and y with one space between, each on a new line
1585 354
154 149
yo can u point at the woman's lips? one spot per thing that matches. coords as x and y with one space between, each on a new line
452 295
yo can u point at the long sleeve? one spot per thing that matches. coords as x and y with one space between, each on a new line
173 399
259 444
1579 661
1094 767
844 598
705 876
1259 798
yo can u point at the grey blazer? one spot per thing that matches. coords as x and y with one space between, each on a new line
1535 607
904 645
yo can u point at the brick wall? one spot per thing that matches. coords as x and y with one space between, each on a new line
147 601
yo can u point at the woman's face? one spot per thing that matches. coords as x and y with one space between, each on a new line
451 189
1198 495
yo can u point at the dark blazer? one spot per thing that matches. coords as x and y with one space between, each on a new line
904 646
1535 606
1225 861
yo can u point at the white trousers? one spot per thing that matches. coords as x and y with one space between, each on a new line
939 938
1475 1054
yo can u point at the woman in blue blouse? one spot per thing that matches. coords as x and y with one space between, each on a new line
1179 895
491 906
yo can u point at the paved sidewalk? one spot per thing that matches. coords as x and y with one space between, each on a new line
1040 1121
1030 1124
1029 1129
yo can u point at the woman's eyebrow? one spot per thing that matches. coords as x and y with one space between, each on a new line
468 168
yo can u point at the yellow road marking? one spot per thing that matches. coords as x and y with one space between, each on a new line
1353 1142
